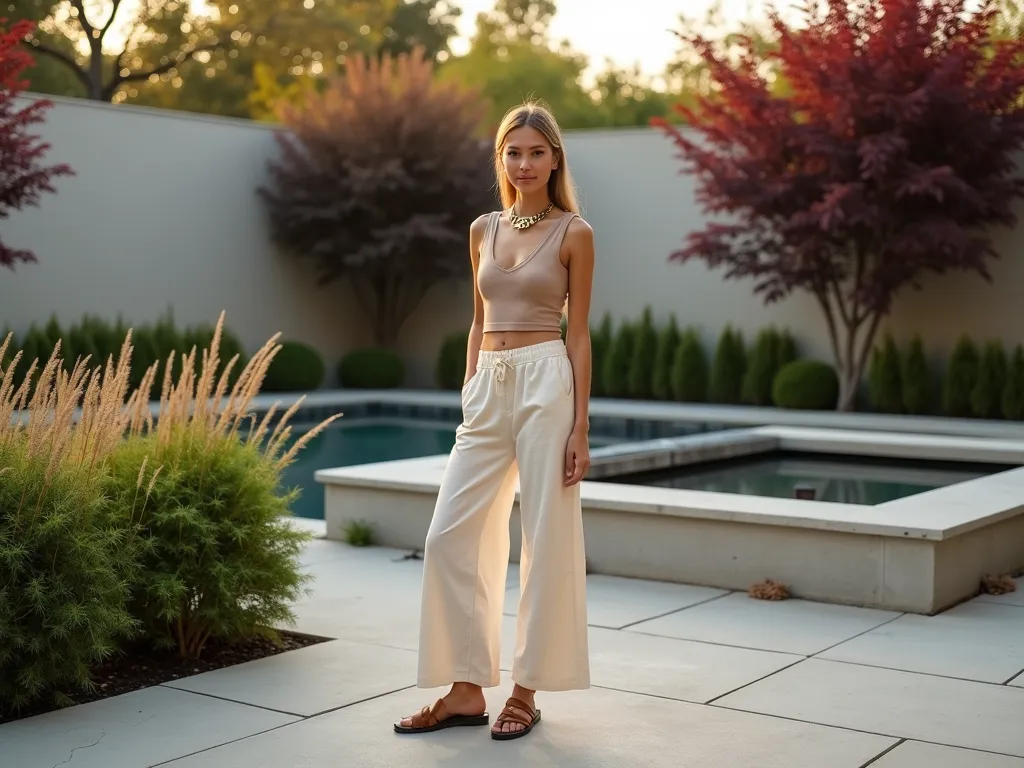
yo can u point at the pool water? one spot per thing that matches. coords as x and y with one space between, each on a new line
843 479
366 441
359 443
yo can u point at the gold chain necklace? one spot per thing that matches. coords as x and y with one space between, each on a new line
525 222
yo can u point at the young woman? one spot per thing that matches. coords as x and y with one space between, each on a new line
525 406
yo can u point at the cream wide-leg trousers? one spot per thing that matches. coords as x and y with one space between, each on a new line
518 412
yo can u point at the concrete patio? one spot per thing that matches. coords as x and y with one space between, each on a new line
683 676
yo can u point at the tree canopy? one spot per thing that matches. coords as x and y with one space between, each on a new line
888 155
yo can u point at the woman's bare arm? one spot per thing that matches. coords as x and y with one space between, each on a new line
579 242
476 330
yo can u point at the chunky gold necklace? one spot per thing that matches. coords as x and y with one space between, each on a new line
525 222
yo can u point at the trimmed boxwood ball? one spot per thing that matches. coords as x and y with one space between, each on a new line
806 385
296 367
371 368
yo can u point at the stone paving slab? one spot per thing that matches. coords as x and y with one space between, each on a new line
589 729
615 602
915 754
978 640
134 730
788 626
923 707
664 666
310 680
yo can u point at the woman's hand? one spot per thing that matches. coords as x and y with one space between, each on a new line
577 458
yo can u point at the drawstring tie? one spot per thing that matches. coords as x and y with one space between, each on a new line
501 365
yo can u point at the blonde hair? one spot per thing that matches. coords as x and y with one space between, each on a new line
561 189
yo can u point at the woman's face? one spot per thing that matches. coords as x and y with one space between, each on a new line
529 159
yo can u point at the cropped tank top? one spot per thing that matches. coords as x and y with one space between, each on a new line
529 296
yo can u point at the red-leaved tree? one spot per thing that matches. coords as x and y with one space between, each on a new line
22 178
887 154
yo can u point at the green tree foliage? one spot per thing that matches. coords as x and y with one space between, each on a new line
987 394
961 376
618 362
600 346
916 379
728 368
764 364
664 359
645 347
1013 391
690 369
885 384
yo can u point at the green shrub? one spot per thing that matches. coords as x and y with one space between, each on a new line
986 396
641 368
885 385
764 364
916 379
806 385
217 557
54 333
358 533
451 363
690 370
297 367
78 345
961 376
618 361
372 368
563 327
145 354
35 349
1012 400
786 352
104 337
600 345
64 564
664 358
728 368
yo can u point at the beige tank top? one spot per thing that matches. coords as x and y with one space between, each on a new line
531 295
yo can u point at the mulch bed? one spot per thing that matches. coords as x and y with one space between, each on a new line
140 666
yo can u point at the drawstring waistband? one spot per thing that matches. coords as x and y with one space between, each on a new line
509 358
504 361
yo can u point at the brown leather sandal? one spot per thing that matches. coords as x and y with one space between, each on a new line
434 719
509 715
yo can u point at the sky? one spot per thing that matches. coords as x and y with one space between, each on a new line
628 32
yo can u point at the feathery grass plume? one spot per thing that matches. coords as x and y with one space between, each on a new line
218 557
65 565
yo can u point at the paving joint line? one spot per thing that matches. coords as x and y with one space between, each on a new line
883 753
915 672
224 698
673 611
859 634
861 730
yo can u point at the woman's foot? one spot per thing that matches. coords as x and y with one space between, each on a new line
464 700
516 718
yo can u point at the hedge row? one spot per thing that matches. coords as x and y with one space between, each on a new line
980 382
297 367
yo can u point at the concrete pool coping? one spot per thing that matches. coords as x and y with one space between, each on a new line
920 553
646 410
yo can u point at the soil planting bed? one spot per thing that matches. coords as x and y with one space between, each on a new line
140 666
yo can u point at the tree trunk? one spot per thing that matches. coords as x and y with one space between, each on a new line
852 332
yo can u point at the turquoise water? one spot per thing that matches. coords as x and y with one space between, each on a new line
345 445
843 479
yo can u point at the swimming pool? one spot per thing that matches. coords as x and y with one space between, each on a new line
835 478
360 442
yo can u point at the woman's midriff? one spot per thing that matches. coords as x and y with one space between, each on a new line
495 341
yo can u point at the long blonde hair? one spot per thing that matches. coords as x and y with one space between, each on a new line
561 188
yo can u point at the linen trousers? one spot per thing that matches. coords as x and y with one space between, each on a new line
518 412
